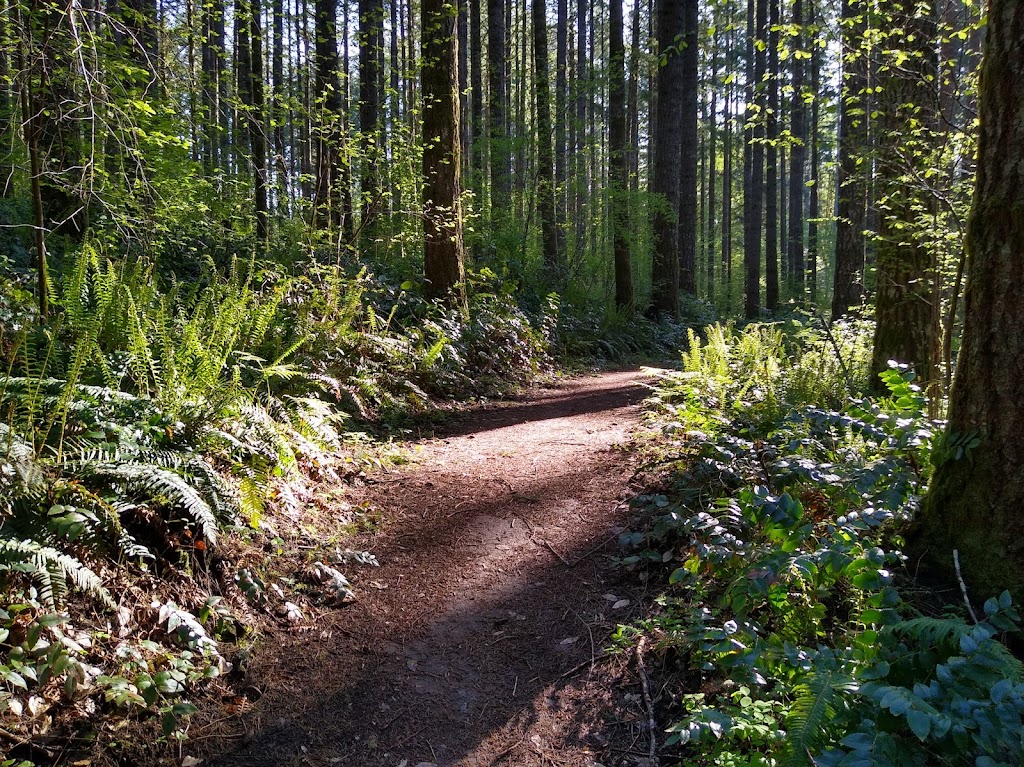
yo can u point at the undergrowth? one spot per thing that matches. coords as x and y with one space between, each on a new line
789 609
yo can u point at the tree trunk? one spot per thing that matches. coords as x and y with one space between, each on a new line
975 500
278 112
753 198
797 159
903 312
618 168
545 160
812 192
477 157
371 23
671 25
771 184
443 249
713 172
257 134
561 115
851 202
327 202
688 148
501 186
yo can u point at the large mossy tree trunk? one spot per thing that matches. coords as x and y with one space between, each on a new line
443 249
975 503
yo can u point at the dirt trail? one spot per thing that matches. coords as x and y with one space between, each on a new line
498 592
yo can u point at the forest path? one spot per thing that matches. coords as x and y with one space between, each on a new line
496 593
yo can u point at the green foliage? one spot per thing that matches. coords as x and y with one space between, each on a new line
781 522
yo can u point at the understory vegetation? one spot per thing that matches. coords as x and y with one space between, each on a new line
795 621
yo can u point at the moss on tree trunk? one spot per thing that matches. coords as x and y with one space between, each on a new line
976 502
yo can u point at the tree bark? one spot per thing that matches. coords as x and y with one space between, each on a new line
545 159
671 23
797 159
903 297
443 250
975 500
371 24
753 198
501 185
689 140
618 162
771 184
327 202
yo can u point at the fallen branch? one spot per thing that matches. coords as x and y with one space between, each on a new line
646 685
963 586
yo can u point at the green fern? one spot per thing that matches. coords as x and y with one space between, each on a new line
818 700
51 570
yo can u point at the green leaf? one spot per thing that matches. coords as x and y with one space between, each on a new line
920 723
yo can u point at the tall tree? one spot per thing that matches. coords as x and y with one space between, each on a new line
545 160
443 249
501 185
371 25
476 60
771 182
617 158
974 502
327 202
904 328
689 139
851 202
561 116
753 196
668 138
797 156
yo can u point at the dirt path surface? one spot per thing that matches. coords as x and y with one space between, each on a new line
497 594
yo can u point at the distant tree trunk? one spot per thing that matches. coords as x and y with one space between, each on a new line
371 23
689 139
633 104
904 328
212 60
712 253
618 170
278 113
974 502
501 187
345 171
257 134
851 203
727 179
671 25
561 115
753 199
476 56
327 201
583 85
812 193
797 158
771 184
545 161
444 252
8 103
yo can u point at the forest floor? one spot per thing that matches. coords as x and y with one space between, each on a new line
480 639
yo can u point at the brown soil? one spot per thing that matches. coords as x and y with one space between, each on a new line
480 641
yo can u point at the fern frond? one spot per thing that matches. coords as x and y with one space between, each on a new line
818 701
51 570
153 482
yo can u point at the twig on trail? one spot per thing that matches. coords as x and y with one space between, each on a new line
594 660
555 551
19 741
646 685
508 751
963 586
594 550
